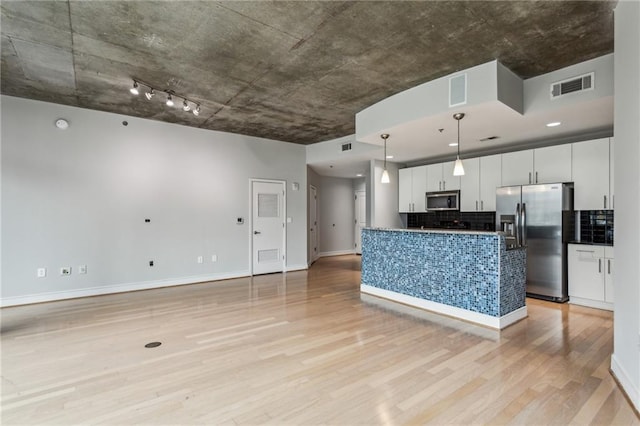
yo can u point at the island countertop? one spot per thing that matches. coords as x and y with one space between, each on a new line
462 273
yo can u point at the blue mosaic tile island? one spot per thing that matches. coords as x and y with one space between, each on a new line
465 274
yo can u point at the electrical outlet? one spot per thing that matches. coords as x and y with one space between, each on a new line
200 259
42 272
65 270
214 257
82 269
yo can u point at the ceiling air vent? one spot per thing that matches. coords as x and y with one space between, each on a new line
346 147
490 138
572 85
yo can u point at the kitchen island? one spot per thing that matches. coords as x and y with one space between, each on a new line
464 274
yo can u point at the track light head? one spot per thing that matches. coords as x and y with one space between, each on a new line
196 111
134 90
185 106
169 100
150 94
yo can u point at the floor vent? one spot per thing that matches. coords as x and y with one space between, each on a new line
572 85
346 147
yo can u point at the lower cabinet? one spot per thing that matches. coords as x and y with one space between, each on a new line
591 276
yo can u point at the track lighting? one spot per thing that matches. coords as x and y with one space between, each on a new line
134 90
187 104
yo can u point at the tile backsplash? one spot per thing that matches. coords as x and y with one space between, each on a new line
477 221
594 226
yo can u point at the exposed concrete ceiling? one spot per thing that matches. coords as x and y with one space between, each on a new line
292 71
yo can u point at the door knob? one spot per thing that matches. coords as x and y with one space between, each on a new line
256 232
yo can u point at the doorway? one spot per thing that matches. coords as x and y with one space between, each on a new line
313 224
360 218
268 231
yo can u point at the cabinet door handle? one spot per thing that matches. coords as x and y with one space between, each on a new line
444 184
476 205
605 201
586 251
609 266
529 177
599 265
481 205
536 177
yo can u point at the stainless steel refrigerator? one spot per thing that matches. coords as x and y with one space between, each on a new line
538 217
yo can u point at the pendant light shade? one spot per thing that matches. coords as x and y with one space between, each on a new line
458 168
385 173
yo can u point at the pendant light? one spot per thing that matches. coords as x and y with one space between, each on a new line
458 169
385 173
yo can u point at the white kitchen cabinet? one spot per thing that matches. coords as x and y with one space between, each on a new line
405 190
478 185
470 186
412 184
590 270
591 175
490 179
552 164
612 192
541 165
517 167
440 177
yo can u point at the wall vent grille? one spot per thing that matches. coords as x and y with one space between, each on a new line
572 85
346 147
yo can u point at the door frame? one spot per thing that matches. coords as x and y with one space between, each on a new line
284 218
314 256
355 214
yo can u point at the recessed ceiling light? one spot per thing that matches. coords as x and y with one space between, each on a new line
554 124
359 175
453 144
389 157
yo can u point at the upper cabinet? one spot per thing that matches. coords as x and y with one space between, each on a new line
541 165
591 175
412 183
588 164
517 167
552 164
440 177
478 185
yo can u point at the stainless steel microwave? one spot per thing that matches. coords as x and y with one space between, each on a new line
442 200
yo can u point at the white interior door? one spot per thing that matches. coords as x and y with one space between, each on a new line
361 218
268 232
313 223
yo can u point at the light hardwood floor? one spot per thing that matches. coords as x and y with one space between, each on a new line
301 348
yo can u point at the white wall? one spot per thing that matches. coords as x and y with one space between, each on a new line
382 198
337 213
625 361
80 197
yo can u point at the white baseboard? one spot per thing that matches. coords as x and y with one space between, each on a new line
300 267
625 381
336 253
475 317
590 303
117 288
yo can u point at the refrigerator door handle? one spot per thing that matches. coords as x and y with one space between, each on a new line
517 226
523 223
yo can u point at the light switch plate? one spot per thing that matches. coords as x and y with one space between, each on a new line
41 272
82 269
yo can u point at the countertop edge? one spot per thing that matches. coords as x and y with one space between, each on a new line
437 231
